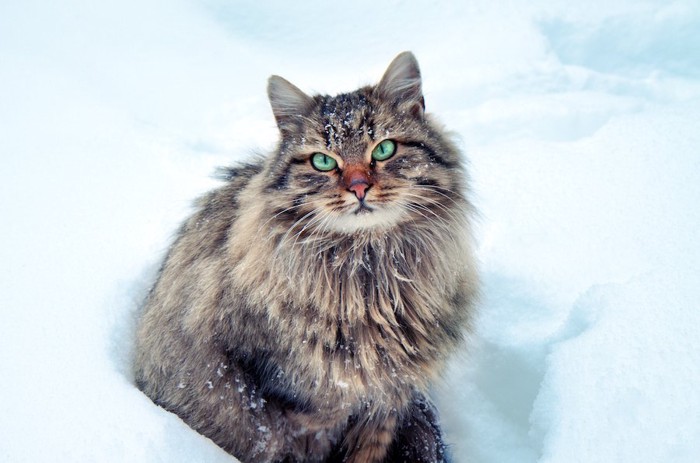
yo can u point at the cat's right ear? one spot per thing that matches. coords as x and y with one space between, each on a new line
287 100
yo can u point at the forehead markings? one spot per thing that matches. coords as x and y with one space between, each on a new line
344 117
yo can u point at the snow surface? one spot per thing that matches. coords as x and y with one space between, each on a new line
582 124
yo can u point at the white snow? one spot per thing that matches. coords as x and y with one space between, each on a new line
582 125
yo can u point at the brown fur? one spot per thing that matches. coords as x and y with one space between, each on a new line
289 325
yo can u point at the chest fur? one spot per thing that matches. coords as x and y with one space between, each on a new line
359 323
351 316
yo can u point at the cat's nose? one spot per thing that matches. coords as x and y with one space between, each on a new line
357 182
359 188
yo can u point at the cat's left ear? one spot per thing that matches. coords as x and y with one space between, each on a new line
402 83
287 101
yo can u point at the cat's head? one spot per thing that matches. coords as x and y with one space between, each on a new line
370 159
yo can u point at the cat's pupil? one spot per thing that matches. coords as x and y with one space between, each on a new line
384 150
323 162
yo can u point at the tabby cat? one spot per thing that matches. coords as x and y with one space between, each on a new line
306 307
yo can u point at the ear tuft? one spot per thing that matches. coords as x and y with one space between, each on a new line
402 81
286 99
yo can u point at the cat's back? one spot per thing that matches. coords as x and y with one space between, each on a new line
190 279
204 234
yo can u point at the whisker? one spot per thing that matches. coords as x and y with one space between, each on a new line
316 239
451 213
435 189
317 217
436 219
280 213
284 238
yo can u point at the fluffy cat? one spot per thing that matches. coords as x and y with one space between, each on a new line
306 306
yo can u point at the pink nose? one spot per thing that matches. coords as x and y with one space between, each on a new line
359 187
357 181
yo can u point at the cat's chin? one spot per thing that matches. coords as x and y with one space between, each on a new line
367 218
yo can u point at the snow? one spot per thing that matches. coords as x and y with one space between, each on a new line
582 126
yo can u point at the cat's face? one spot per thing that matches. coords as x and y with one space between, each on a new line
363 160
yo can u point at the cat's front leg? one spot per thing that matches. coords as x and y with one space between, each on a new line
418 436
369 437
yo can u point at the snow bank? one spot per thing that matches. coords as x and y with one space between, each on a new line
581 125
591 270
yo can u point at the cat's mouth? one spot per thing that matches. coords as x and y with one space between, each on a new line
363 209
367 217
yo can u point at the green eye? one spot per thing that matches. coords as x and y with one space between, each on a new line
384 150
323 162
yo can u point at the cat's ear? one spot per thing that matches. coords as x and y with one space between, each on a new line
287 100
402 83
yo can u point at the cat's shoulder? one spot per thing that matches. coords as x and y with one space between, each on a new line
240 174
222 203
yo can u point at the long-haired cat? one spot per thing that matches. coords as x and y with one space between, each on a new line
305 308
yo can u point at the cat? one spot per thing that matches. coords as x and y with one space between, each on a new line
306 307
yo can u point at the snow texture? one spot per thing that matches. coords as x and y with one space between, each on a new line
582 125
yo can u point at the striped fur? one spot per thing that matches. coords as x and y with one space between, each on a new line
289 322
